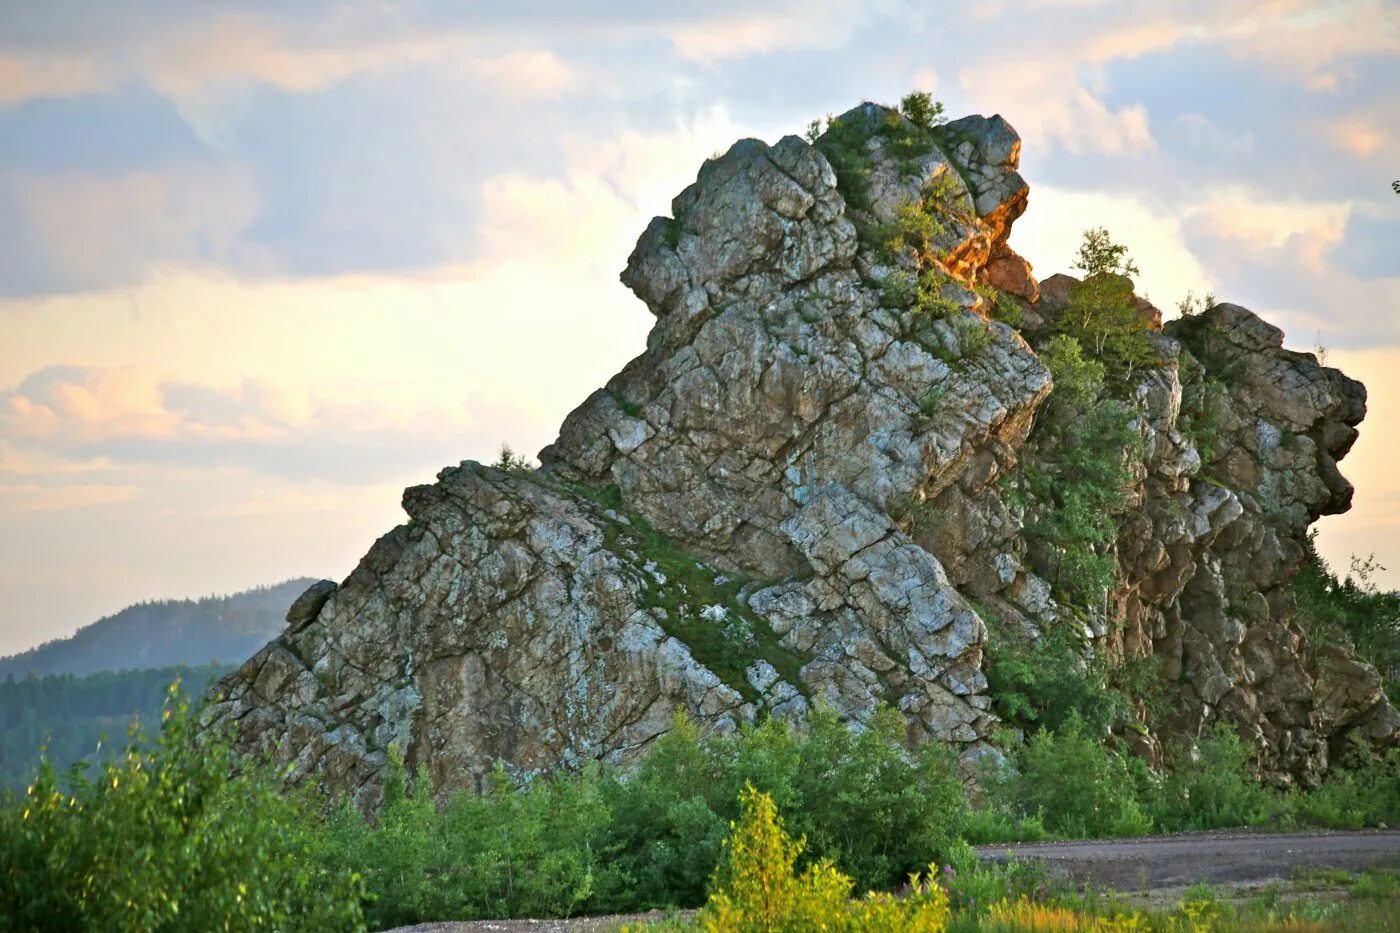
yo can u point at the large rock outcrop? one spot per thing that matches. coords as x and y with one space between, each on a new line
793 496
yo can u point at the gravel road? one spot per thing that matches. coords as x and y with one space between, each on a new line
1218 858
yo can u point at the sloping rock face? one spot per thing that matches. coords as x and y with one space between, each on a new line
793 496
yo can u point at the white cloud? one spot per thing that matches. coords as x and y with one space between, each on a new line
530 73
95 228
1305 40
1266 232
25 76
713 36
1050 232
1050 105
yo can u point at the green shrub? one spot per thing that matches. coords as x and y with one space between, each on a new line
988 825
999 305
1076 483
1352 611
759 890
864 800
1046 682
1213 788
861 799
1074 783
538 850
166 839
669 819
510 462
1364 791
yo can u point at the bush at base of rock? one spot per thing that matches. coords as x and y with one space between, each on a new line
164 839
1073 782
758 890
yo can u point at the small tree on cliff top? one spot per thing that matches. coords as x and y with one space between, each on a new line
1100 314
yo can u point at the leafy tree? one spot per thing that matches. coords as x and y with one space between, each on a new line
922 110
1076 485
1100 314
166 839
1074 783
1100 255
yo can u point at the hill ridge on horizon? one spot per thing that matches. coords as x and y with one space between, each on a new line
164 633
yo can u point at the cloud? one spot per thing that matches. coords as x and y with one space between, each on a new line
528 74
180 55
758 30
21 498
281 262
1266 232
134 415
93 229
25 76
1362 137
1296 39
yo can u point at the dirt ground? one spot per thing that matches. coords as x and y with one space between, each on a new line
1157 868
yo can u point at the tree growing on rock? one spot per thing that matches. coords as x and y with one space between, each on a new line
1101 314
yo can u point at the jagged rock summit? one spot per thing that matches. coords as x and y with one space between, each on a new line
738 524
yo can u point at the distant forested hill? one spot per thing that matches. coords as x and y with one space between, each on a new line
225 629
71 714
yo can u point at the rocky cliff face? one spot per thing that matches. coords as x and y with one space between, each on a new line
795 494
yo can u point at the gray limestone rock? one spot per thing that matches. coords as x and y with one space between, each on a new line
793 496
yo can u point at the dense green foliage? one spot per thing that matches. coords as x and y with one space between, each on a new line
165 839
76 718
1043 683
542 850
1214 788
1073 783
1101 315
1075 486
216 629
1352 609
597 841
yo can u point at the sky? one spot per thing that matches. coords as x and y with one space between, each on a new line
262 265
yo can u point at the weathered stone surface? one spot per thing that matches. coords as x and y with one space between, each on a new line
1010 273
778 415
793 496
